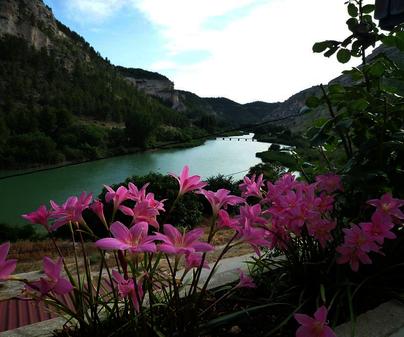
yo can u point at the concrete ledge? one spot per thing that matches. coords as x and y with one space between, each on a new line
387 320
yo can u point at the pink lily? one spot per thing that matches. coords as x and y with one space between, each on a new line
245 281
388 206
53 281
136 194
321 230
221 199
187 183
117 197
379 228
6 266
252 214
353 256
127 288
187 243
329 182
194 260
314 327
70 211
224 220
142 211
253 236
98 208
134 239
252 187
40 217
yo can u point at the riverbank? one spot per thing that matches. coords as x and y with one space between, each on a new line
212 158
122 151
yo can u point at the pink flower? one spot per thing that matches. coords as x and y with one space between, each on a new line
329 182
388 206
53 281
70 211
135 194
221 199
224 220
176 243
98 208
321 230
134 239
194 260
358 238
6 266
379 228
40 217
314 327
286 183
142 211
252 187
187 183
127 288
252 214
353 256
256 237
117 197
245 281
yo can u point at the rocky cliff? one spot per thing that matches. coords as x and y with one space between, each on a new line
31 20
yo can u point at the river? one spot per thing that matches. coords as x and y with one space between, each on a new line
22 194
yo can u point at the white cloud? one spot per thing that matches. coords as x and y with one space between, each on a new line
94 10
265 55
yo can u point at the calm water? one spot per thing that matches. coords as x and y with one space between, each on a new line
23 194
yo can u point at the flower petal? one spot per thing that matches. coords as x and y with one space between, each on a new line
111 244
120 231
4 248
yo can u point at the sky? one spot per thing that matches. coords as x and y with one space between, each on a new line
245 50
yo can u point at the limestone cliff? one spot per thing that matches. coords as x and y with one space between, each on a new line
31 20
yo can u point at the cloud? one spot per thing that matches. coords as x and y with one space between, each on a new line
263 55
249 49
94 10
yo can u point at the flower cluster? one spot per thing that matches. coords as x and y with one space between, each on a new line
282 214
360 240
286 208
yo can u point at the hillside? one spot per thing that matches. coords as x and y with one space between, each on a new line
60 100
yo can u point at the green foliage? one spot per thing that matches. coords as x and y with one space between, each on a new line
366 115
26 232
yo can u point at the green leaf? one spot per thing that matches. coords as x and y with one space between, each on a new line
359 104
235 316
390 41
376 69
322 293
343 55
355 74
331 51
336 89
312 102
353 10
368 9
319 47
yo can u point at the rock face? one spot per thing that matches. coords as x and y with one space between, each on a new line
31 20
160 88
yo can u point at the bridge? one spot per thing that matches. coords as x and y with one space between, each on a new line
237 139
